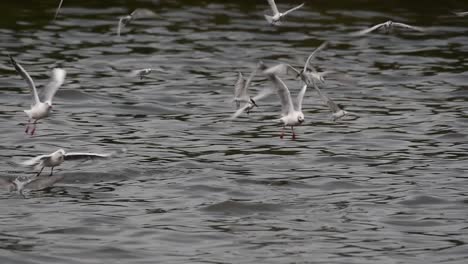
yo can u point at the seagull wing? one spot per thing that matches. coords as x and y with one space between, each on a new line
284 95
402 25
58 9
142 13
312 55
293 9
282 68
84 155
300 98
56 80
120 25
27 78
240 91
36 160
368 30
273 7
240 111
332 105
251 76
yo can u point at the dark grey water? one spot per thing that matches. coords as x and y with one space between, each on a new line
194 187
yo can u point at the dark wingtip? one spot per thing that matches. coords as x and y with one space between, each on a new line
253 102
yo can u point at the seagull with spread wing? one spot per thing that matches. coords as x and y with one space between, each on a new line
137 13
40 109
337 111
277 16
58 157
387 26
291 110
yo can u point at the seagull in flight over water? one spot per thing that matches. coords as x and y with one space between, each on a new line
58 157
40 109
387 26
308 74
337 111
291 111
241 93
277 16
139 12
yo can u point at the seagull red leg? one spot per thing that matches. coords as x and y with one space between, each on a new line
282 133
34 128
293 134
27 126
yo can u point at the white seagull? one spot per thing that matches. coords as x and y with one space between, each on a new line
58 157
387 26
249 105
58 9
337 110
241 89
139 12
277 16
308 74
291 111
40 109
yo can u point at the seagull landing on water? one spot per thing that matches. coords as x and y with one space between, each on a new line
308 74
59 156
137 13
277 16
40 110
291 111
387 26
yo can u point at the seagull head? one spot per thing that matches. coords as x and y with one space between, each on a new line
300 118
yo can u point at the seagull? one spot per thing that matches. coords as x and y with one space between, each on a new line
291 112
277 16
249 105
336 109
461 14
58 9
241 87
308 74
40 109
387 26
139 12
141 73
58 157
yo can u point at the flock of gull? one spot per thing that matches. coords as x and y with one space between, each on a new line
291 108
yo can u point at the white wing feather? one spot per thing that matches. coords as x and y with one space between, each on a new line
25 75
57 79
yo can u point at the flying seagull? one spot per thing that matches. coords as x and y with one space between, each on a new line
387 26
40 109
277 16
137 13
337 111
307 74
58 157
